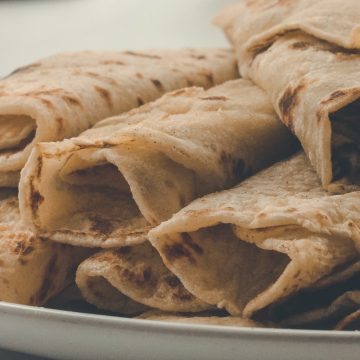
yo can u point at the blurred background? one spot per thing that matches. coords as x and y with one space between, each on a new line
31 29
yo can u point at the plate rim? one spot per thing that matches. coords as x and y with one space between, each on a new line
169 327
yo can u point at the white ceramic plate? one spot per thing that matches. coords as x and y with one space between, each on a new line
69 335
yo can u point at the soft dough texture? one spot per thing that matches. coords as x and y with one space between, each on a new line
305 55
32 269
272 235
60 96
114 182
136 272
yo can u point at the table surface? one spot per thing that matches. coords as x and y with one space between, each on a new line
33 29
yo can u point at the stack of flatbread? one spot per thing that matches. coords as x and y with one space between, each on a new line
192 185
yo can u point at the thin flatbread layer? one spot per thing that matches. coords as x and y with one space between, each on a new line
350 322
320 306
205 318
110 185
60 96
335 313
275 233
136 272
32 269
305 55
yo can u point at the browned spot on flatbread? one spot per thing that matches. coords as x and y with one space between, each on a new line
169 184
228 208
299 45
157 84
100 77
139 75
189 82
337 94
20 246
179 292
198 57
221 98
47 103
71 100
112 62
101 225
105 94
60 122
259 49
177 251
182 295
341 54
5 281
191 244
28 250
172 281
210 78
139 54
35 198
39 166
137 277
140 101
288 102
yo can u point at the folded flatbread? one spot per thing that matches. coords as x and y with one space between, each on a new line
306 55
205 318
111 278
32 269
275 233
350 322
109 186
322 305
63 95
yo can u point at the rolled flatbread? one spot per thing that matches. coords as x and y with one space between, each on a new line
62 95
350 322
111 278
322 305
306 55
32 269
275 233
109 186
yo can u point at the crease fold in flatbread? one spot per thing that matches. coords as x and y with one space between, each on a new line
136 273
112 184
321 306
306 55
32 269
60 96
275 233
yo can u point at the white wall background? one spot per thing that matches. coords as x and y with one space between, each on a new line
30 29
